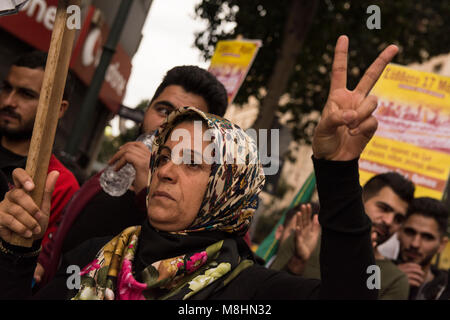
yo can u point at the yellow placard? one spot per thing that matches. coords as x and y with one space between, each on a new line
413 135
231 61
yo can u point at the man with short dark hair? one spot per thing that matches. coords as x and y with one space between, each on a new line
386 197
19 98
181 86
422 236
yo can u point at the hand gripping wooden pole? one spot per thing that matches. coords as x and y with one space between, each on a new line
49 105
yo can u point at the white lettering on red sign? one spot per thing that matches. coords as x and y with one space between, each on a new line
45 14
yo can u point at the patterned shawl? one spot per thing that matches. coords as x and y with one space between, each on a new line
227 208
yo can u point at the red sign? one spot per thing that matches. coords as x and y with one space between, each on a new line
34 25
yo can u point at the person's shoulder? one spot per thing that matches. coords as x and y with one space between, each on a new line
394 282
390 273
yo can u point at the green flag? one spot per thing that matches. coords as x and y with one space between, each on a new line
269 246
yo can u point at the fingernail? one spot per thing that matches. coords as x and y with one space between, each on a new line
28 234
37 230
29 185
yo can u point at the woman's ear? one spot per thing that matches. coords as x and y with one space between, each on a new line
62 110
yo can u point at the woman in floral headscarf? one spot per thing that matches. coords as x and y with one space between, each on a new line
196 210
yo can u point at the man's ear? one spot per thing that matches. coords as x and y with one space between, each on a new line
279 232
444 241
63 108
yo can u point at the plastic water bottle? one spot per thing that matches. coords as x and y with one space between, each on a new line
116 183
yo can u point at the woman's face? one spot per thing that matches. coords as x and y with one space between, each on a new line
177 190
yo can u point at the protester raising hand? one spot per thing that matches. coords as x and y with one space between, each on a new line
347 124
307 232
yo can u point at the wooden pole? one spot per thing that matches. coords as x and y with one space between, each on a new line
49 105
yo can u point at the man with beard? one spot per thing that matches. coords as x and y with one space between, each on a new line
386 198
19 98
422 236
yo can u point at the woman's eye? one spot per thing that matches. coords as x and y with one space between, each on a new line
164 111
193 164
161 160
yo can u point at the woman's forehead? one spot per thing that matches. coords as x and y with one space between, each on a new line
190 134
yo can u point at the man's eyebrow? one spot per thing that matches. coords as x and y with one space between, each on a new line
165 103
385 205
410 229
427 234
29 91
6 83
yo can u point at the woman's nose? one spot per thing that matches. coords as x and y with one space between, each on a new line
167 172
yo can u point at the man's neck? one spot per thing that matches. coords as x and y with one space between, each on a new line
18 147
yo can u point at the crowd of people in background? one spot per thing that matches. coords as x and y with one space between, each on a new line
181 231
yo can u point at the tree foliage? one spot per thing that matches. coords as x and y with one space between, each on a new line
419 28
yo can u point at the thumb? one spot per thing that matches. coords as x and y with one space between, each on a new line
22 179
52 177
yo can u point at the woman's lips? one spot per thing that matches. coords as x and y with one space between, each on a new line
162 194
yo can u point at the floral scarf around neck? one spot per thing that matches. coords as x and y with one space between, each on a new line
228 206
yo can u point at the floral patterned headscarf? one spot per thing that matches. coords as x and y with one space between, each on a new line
228 205
236 178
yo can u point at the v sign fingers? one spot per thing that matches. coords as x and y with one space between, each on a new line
346 109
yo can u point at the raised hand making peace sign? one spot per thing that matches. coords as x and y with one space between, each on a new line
347 124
